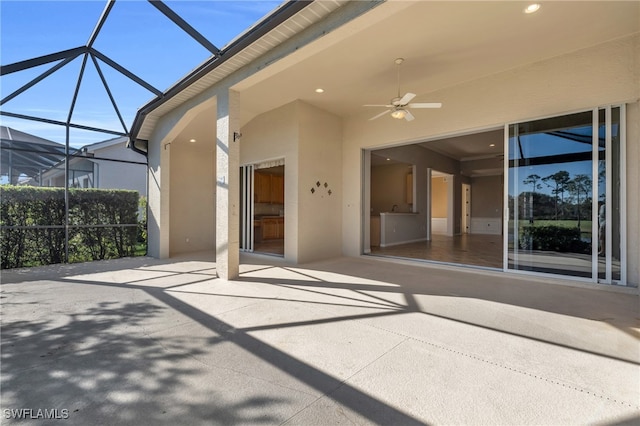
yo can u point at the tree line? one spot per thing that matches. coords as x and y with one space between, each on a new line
570 198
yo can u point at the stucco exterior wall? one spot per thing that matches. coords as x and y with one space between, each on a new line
158 201
192 204
310 141
320 160
600 75
272 136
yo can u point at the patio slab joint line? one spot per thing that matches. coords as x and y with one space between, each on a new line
514 370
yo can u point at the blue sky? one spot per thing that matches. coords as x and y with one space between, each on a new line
136 35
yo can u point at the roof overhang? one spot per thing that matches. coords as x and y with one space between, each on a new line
350 52
283 23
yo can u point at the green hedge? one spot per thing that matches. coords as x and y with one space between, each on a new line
40 215
553 238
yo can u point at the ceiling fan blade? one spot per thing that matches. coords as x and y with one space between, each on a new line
385 106
406 99
380 115
425 105
408 116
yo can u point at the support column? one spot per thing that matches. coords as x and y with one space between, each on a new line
158 198
228 186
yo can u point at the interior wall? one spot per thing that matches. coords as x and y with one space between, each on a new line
425 159
192 197
486 196
603 74
388 188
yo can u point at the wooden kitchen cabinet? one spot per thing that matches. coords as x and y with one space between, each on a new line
277 189
268 188
272 228
262 187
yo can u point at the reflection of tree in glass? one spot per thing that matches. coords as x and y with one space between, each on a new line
602 178
560 181
533 181
578 186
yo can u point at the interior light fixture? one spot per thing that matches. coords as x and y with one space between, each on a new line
532 8
492 145
399 113
319 90
388 159
192 140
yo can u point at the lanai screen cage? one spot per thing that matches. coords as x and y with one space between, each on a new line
76 191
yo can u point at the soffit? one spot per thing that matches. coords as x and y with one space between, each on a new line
444 44
303 19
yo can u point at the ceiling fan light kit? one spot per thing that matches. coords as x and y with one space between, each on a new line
398 105
399 114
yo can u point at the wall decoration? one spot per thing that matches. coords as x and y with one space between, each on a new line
318 185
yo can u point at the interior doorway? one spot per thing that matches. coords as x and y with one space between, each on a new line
442 197
263 208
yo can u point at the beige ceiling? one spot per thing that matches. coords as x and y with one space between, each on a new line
443 43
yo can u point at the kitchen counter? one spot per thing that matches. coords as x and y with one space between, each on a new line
398 213
268 227
401 228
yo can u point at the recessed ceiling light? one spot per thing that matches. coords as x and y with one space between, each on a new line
319 90
388 159
532 8
192 140
492 144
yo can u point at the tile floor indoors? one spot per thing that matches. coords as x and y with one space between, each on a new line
466 249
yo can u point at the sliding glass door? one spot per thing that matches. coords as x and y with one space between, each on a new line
564 195
246 208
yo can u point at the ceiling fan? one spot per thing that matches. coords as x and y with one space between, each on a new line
400 105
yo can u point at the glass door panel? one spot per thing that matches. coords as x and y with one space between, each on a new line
609 208
550 195
246 208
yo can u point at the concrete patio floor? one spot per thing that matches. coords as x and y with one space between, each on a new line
344 341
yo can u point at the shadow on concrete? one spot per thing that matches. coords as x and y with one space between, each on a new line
87 358
94 349
97 364
629 421
618 310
